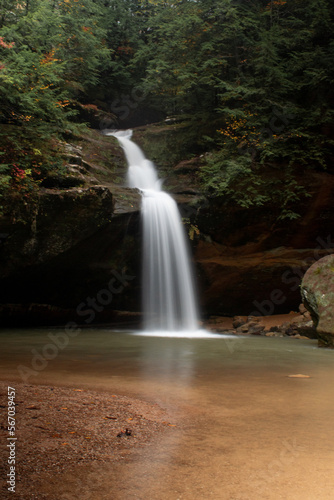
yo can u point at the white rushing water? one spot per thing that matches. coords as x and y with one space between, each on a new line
168 289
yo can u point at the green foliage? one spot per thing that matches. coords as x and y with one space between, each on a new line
4 180
264 69
51 53
251 184
235 177
254 78
57 53
27 160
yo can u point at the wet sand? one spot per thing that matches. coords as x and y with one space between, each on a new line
57 429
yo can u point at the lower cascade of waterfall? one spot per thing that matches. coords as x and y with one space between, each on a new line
168 289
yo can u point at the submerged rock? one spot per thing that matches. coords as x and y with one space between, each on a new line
317 290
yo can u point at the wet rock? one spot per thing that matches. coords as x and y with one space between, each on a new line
274 329
71 149
249 325
305 330
298 336
243 329
72 153
127 200
317 290
273 333
296 327
239 321
302 309
256 329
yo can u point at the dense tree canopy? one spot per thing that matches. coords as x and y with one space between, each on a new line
255 76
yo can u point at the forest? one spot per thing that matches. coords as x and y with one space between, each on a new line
169 339
252 79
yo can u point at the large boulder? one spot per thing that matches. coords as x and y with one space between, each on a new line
78 244
317 291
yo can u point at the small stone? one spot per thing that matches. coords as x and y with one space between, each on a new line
256 330
302 309
239 321
254 318
307 316
274 329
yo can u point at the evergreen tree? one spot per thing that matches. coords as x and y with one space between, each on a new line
254 77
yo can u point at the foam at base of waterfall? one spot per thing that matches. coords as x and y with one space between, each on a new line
183 334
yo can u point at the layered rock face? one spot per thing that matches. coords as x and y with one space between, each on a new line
317 291
250 263
79 258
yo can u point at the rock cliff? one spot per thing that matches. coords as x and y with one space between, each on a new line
85 230
248 261
79 256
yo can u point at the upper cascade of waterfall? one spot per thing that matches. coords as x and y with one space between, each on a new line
141 171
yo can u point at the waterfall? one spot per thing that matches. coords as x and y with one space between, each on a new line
168 289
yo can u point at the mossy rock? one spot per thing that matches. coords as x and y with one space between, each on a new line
317 290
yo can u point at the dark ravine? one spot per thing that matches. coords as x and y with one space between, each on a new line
246 260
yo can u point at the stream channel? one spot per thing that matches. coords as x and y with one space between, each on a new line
244 428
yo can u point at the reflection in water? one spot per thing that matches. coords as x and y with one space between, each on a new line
104 353
244 429
175 362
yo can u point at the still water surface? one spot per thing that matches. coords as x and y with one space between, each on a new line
252 432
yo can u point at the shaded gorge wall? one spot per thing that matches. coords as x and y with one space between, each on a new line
60 265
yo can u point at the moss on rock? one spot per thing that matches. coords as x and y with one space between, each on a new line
317 290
